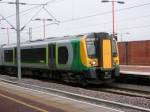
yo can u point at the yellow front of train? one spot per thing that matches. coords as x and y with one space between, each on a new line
101 56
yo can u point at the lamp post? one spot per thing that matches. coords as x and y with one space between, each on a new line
113 12
7 30
44 24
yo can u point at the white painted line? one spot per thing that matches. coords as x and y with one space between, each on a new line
135 66
61 96
135 73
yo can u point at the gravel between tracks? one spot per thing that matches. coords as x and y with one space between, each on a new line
142 102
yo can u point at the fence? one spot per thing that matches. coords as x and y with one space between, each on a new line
134 53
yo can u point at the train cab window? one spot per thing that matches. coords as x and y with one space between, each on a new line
114 49
8 55
62 55
91 49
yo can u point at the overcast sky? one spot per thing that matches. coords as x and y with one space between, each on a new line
132 19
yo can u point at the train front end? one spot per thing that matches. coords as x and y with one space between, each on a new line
103 58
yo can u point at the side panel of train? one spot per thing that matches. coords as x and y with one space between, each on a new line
54 56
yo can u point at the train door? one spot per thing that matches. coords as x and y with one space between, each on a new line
107 53
52 56
104 50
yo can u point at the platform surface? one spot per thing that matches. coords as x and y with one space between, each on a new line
19 99
134 69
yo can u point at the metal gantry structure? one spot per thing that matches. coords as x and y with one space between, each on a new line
18 29
7 30
30 33
44 24
18 39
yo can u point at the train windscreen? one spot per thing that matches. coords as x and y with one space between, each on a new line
114 49
90 43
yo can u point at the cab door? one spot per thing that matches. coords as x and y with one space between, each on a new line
107 53
104 50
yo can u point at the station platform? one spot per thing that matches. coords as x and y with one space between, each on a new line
135 70
19 99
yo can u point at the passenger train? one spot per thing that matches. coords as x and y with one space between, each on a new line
85 59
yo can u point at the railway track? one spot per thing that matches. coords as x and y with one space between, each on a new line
92 100
127 92
126 89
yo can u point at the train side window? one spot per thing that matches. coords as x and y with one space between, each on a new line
8 55
35 55
62 55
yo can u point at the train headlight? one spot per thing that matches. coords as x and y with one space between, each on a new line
94 63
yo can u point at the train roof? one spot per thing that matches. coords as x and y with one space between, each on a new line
41 42
45 41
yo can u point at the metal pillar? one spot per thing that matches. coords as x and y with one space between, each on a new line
113 17
18 39
7 35
44 27
30 33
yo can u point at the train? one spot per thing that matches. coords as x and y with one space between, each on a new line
90 58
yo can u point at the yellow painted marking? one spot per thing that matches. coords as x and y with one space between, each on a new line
83 53
116 59
107 54
23 103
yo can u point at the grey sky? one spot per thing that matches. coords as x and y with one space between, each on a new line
133 18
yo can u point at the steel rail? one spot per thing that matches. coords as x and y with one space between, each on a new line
127 92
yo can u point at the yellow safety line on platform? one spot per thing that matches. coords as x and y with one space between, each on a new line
23 103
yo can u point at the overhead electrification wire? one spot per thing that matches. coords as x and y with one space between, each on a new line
135 27
5 18
50 14
21 3
35 7
127 19
51 1
98 14
104 13
32 18
127 28
89 16
30 8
